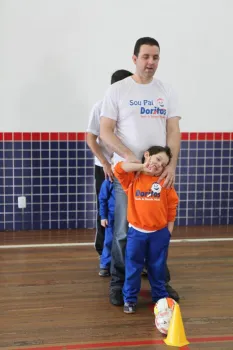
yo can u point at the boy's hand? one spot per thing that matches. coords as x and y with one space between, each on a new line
104 222
170 227
147 167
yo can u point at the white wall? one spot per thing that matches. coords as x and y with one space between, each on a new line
56 58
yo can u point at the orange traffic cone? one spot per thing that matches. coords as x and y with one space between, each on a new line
176 334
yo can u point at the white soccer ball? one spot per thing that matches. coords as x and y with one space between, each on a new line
163 313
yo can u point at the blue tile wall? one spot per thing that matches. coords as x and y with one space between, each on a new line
57 179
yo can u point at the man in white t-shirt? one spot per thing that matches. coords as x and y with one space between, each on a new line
102 155
144 112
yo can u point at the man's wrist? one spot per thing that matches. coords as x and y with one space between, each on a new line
173 163
105 162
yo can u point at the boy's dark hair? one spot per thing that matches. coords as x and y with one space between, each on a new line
157 149
144 41
120 75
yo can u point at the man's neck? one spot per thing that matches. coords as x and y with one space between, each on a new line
141 80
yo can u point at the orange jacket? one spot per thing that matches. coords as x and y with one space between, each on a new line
150 206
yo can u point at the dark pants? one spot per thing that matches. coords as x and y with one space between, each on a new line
119 240
100 230
153 248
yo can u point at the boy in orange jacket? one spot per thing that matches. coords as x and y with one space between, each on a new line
151 215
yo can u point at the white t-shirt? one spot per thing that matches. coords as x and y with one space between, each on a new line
141 112
94 128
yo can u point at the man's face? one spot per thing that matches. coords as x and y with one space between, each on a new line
147 61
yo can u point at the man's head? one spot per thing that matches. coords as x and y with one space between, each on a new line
146 57
159 157
120 75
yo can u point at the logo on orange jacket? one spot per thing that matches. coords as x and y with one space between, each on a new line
154 191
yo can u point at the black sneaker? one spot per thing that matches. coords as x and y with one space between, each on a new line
172 293
129 308
104 273
116 297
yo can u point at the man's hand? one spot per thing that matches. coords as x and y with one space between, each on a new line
104 222
169 175
108 171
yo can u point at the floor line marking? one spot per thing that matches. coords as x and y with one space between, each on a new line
126 344
86 244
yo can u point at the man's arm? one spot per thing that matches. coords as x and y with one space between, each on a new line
173 141
107 127
96 150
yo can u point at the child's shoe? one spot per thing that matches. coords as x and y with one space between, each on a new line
129 308
104 273
172 292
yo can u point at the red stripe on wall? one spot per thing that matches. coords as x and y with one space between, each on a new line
42 136
17 136
81 136
45 136
193 136
7 136
71 136
185 136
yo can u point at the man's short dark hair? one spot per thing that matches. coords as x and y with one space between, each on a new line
144 41
120 75
157 149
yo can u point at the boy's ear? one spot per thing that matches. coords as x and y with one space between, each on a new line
146 154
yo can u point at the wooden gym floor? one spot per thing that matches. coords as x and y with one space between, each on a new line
51 297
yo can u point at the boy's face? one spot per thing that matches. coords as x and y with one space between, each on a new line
157 162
